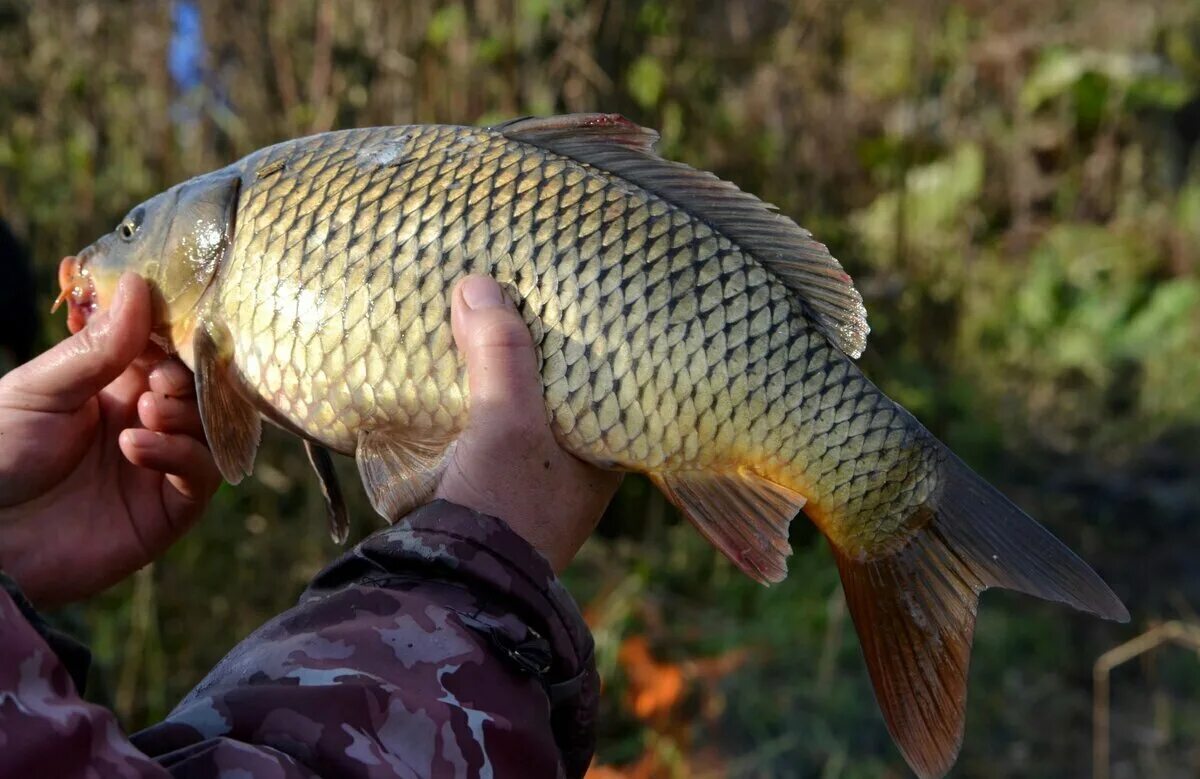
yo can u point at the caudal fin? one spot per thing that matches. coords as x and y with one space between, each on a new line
915 609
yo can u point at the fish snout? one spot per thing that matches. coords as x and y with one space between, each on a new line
78 290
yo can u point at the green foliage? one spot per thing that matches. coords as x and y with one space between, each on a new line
1086 326
879 63
931 211
447 23
646 81
1090 79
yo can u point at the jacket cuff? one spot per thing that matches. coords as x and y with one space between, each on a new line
75 657
540 629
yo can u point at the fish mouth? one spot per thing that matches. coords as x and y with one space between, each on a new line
78 290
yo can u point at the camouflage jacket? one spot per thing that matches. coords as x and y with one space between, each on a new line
441 647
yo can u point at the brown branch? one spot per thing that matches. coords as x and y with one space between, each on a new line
322 69
285 73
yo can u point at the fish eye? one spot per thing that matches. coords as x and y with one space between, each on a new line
129 228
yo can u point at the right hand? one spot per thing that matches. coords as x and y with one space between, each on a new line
507 462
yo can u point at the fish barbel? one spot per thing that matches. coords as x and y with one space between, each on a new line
685 330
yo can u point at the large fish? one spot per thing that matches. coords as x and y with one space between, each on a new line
685 330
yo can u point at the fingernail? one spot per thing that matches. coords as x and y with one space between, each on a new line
479 292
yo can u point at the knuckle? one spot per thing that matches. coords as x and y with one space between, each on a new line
174 377
504 332
94 345
85 341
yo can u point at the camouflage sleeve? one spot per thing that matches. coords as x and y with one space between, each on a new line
441 647
46 729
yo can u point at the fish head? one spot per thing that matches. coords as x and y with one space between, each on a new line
176 241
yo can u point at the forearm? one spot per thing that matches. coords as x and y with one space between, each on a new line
444 643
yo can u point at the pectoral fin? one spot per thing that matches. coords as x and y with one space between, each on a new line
400 473
231 423
742 514
331 489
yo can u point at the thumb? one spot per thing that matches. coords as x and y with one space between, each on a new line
501 364
65 377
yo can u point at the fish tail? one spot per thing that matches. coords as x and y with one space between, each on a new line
914 608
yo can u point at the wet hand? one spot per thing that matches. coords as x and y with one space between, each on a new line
507 462
103 463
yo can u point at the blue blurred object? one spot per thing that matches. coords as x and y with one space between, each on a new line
185 62
185 56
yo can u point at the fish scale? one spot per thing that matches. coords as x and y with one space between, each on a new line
684 330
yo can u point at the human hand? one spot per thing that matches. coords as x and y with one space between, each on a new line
103 461
507 462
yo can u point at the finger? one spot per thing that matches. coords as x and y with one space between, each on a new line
501 363
171 377
186 462
165 414
65 377
151 356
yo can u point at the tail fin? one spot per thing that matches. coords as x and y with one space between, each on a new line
915 609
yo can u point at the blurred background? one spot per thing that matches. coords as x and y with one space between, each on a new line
1015 187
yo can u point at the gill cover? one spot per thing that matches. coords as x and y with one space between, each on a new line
200 235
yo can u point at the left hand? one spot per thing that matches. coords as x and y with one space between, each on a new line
103 461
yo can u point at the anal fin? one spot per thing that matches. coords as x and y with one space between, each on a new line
400 473
231 423
742 514
331 489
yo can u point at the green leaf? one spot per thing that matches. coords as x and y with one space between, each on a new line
1158 91
879 58
1055 73
1167 312
936 197
1090 97
449 22
537 10
646 81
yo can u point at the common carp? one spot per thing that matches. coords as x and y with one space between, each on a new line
686 330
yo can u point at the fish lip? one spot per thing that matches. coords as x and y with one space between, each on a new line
78 289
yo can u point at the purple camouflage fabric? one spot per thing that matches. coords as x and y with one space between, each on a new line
441 647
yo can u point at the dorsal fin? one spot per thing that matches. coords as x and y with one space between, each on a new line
616 145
